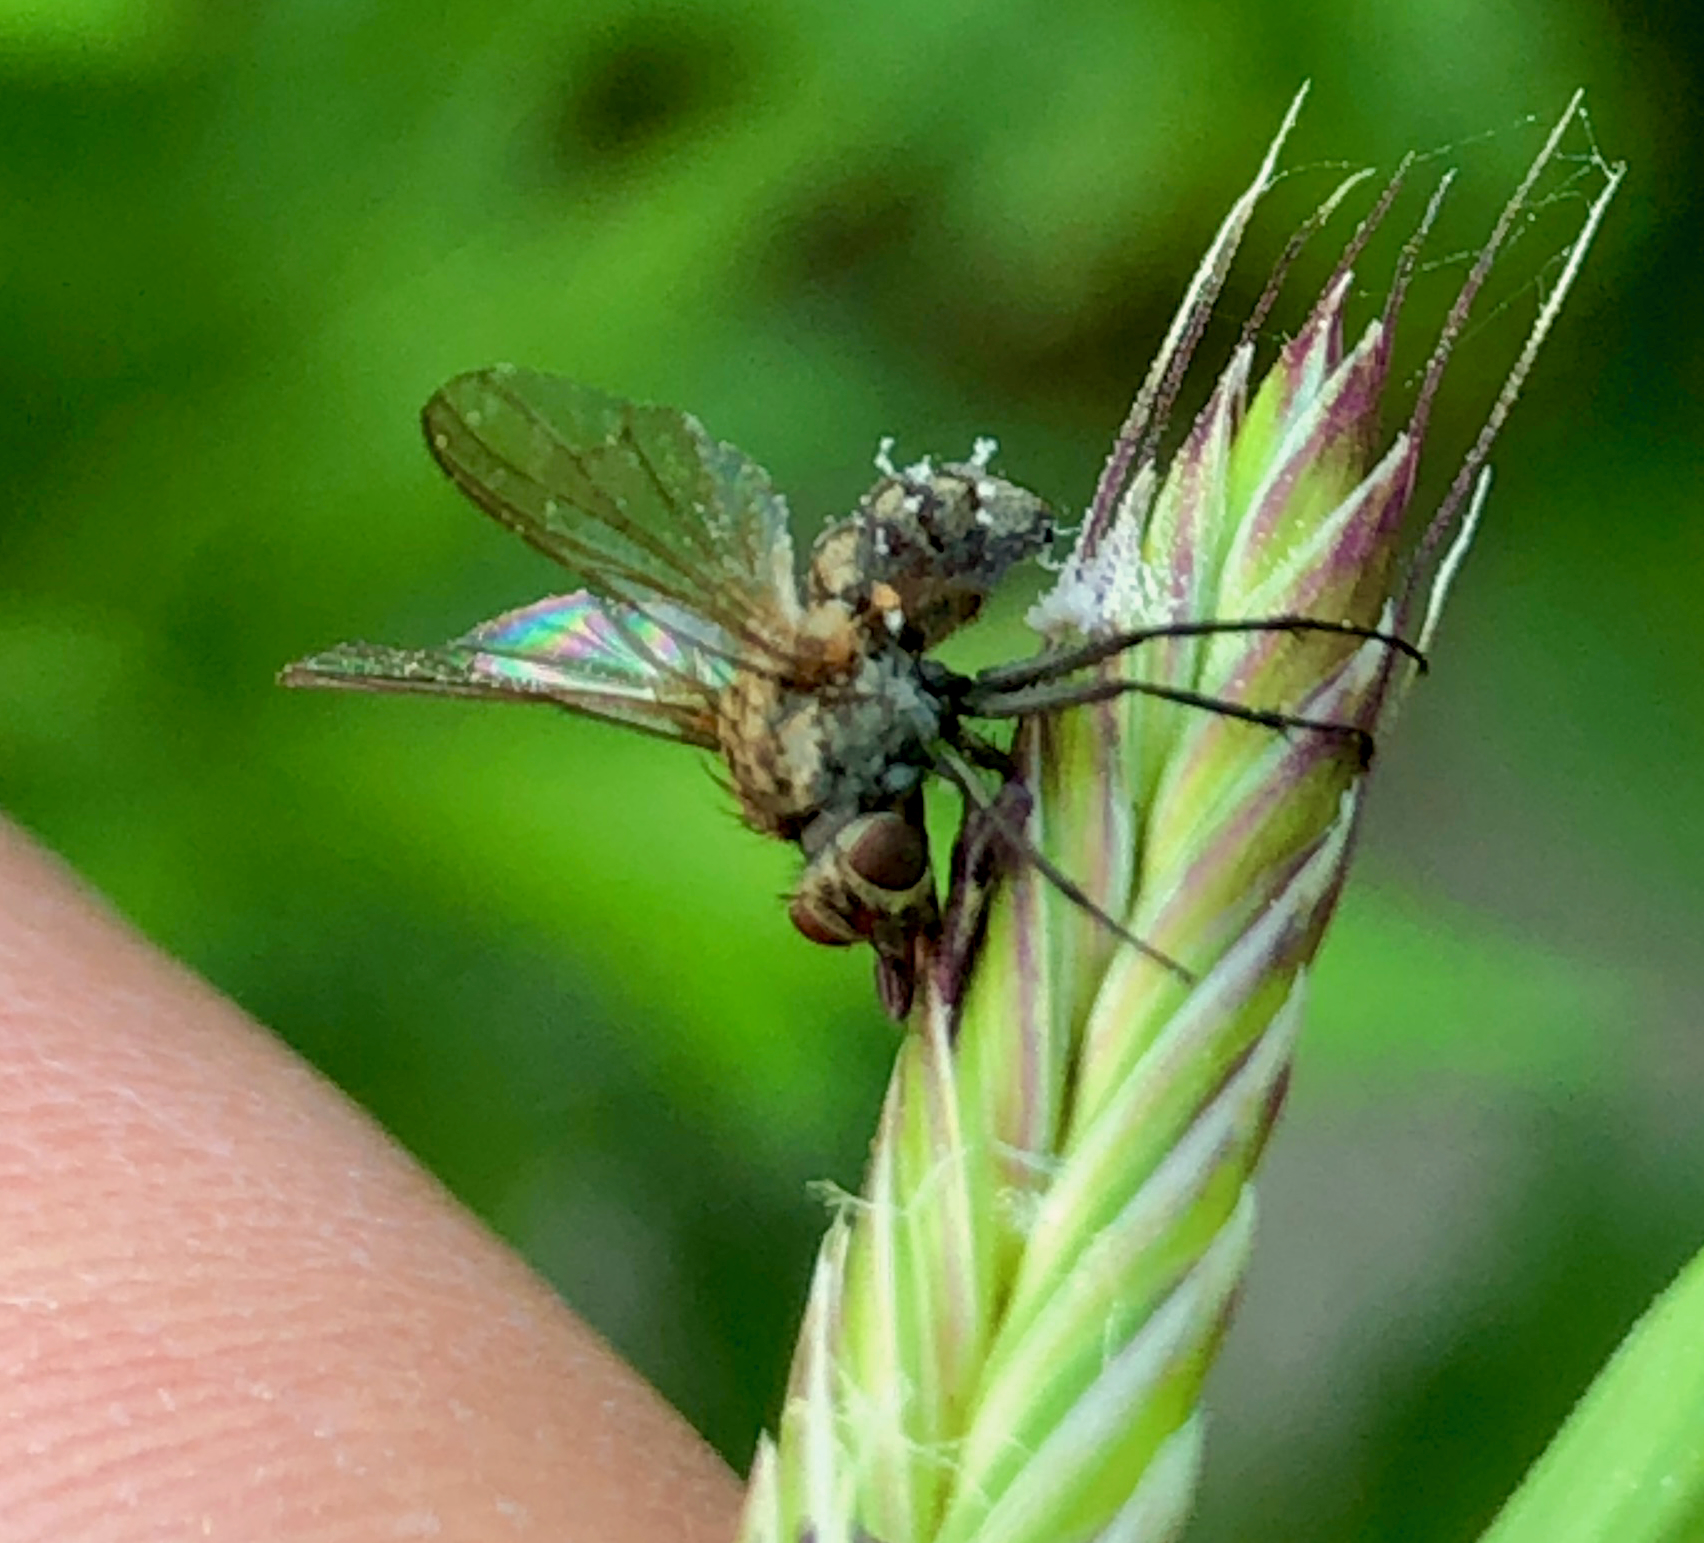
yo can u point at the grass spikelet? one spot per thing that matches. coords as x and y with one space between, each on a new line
1006 1339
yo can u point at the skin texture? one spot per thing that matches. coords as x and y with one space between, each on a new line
231 1308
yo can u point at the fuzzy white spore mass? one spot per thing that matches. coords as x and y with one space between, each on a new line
1110 589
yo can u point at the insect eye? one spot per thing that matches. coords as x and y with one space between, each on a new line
889 853
821 922
867 876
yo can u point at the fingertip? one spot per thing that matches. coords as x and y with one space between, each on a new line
231 1306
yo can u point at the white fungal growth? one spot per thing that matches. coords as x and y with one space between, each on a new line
983 450
884 456
1111 589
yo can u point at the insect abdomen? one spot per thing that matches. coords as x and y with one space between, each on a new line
856 745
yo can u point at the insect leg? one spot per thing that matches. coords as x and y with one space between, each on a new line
1050 666
978 862
1018 703
957 770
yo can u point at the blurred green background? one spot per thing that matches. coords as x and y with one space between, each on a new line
241 246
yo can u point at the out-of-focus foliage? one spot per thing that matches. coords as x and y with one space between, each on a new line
241 245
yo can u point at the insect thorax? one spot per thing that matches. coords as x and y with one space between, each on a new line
852 743
926 547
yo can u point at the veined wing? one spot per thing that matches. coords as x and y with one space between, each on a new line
657 669
639 501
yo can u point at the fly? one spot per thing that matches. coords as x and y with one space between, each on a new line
820 696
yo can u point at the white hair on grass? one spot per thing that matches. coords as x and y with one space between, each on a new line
882 1411
840 1202
1444 579
1043 1164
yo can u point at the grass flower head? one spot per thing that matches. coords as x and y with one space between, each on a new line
1007 1333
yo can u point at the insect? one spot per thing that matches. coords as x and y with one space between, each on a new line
820 696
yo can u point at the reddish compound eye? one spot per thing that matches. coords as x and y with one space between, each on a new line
821 922
864 881
889 853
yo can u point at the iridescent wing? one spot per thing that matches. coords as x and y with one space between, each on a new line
639 501
658 669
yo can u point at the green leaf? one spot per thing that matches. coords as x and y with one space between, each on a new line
1628 1467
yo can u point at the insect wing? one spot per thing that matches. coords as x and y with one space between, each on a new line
640 501
659 669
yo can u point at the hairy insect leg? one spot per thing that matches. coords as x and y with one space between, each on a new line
896 977
982 856
1039 685
952 765
1059 662
1020 702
